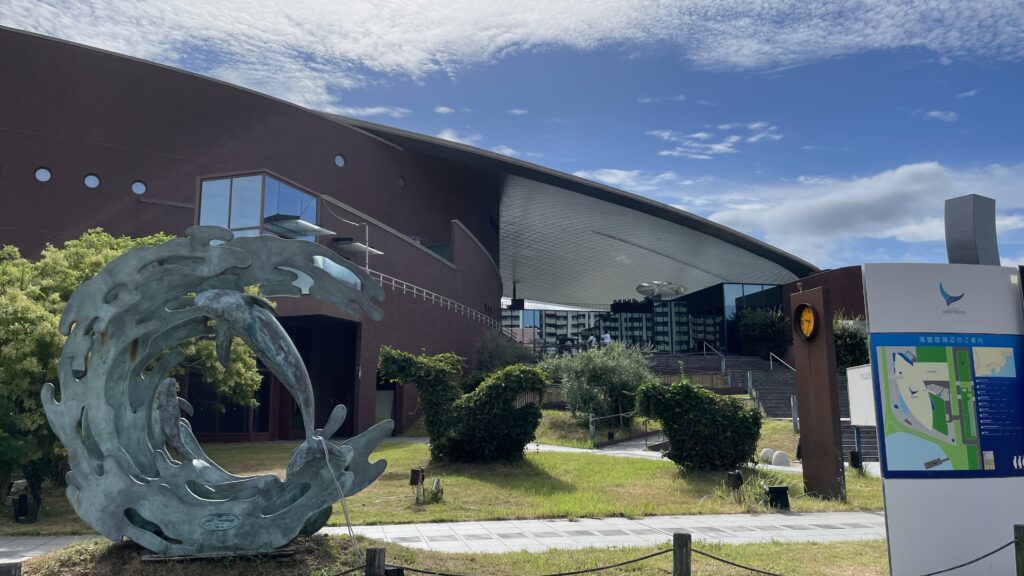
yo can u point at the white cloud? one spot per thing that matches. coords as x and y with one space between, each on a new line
363 111
969 93
306 51
707 103
455 136
705 145
819 217
443 110
518 112
943 115
639 181
656 99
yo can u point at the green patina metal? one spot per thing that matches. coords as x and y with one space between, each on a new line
137 470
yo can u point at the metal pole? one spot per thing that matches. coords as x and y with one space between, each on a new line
750 384
681 552
856 439
795 416
1018 547
367 226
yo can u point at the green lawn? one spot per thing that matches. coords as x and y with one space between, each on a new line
543 485
778 435
323 556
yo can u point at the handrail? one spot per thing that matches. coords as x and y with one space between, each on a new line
706 346
771 363
443 301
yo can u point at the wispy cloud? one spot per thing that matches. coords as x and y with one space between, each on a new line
639 181
969 93
366 111
307 51
510 151
818 217
707 103
518 112
443 110
454 136
705 145
656 99
943 115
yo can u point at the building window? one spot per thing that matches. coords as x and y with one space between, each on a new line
339 161
138 187
43 174
258 204
91 181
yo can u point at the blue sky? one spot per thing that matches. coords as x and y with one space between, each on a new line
831 129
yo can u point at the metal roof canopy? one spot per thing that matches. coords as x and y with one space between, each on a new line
567 240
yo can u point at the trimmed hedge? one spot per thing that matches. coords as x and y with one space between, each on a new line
706 431
484 425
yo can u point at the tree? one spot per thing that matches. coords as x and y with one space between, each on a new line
601 381
32 298
495 351
851 341
762 331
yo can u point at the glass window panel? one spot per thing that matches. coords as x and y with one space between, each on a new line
245 201
213 203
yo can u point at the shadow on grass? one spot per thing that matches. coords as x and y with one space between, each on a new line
523 476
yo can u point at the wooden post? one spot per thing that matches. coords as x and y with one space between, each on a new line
10 568
374 562
1018 547
681 554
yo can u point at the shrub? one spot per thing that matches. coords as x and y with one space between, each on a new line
498 419
603 380
706 431
851 341
493 422
762 331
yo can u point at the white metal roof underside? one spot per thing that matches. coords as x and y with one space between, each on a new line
567 240
560 246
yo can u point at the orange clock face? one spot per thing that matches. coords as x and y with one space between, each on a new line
805 321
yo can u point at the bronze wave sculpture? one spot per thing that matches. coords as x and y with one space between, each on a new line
137 470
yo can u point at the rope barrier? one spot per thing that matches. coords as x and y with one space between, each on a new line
585 571
351 570
968 563
734 564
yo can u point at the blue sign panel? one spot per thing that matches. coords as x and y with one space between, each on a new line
949 405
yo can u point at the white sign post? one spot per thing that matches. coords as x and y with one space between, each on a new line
861 389
946 355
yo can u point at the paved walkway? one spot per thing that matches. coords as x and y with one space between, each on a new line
540 535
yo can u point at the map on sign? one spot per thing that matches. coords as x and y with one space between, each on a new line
950 404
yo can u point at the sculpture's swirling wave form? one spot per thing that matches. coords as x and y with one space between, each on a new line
136 468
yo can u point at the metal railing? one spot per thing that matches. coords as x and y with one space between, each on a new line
415 291
772 359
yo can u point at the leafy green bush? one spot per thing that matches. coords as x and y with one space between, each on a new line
851 341
32 298
706 431
601 381
436 378
493 422
762 331
498 419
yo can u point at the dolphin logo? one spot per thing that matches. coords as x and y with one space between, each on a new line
949 299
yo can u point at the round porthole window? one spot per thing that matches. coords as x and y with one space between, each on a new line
91 181
139 187
401 181
43 174
339 161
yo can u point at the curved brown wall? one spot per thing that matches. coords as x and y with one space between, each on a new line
78 111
